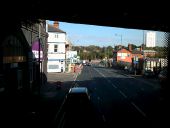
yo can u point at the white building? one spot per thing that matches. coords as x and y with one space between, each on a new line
56 48
71 57
150 39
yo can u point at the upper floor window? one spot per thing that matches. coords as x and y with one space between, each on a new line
56 35
55 48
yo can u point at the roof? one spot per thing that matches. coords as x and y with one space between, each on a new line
51 28
136 52
149 51
124 50
78 90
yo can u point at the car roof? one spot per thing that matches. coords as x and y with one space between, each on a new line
78 90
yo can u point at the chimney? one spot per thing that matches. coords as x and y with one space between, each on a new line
56 24
130 47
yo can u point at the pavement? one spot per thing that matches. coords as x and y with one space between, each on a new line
52 96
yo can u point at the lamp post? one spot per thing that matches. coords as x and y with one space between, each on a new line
120 41
144 56
120 37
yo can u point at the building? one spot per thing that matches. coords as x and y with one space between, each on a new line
21 70
123 56
68 45
56 48
71 57
148 53
71 60
150 39
36 36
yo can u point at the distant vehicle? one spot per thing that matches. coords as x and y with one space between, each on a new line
84 62
88 64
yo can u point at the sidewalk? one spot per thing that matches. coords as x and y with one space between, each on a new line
51 97
51 89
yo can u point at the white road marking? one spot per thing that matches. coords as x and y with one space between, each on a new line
139 110
133 104
103 117
101 73
75 76
61 123
107 79
114 86
122 94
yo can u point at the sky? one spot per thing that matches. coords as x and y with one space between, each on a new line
84 35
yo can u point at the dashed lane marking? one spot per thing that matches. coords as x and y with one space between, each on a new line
139 110
122 94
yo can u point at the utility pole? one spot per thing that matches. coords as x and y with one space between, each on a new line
120 37
39 65
143 51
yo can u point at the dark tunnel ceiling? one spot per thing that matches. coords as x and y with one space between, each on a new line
119 14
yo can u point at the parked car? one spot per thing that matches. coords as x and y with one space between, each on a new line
148 74
163 76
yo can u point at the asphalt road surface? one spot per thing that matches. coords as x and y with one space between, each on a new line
117 100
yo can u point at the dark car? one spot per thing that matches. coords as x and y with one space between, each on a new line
77 96
163 77
88 64
78 108
148 74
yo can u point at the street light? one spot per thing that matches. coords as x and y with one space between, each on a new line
120 37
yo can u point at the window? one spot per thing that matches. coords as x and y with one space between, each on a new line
119 54
56 35
124 54
53 66
55 48
74 61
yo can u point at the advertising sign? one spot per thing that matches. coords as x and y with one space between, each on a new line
36 48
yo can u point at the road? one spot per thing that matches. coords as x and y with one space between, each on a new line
119 100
